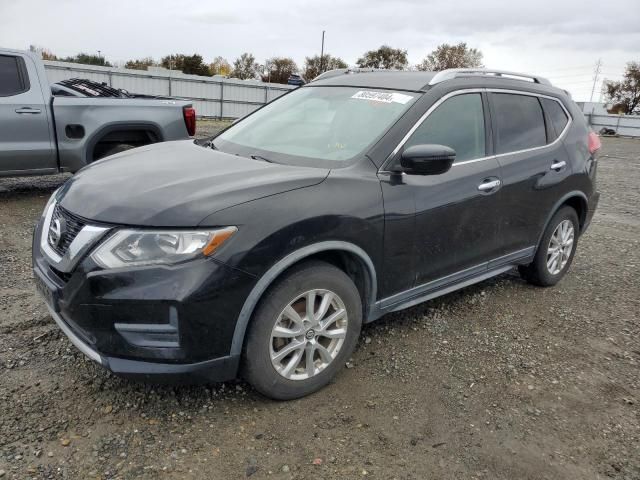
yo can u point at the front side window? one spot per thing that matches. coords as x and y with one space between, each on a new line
519 121
11 77
316 126
457 123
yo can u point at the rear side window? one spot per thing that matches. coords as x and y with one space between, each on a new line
556 115
520 122
457 123
13 78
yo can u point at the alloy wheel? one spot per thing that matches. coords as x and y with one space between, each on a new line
560 247
308 334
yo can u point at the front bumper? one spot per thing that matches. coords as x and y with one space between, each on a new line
216 370
159 324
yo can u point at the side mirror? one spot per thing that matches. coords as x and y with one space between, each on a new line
427 159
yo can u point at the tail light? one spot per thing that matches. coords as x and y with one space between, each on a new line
594 142
189 114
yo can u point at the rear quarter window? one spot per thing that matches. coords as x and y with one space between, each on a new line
556 115
519 121
13 76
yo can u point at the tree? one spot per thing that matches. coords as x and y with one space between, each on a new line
626 93
451 56
279 69
384 57
140 64
45 53
87 59
190 64
220 66
312 65
245 67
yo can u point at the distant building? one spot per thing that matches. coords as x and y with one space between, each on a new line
594 108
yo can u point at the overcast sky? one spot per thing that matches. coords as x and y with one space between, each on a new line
561 39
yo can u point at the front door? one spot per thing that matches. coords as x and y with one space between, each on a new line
25 136
457 213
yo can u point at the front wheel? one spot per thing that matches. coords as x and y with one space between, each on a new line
556 250
303 331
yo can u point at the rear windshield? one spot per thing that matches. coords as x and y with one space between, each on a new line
316 126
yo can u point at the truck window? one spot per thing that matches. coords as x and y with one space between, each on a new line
13 78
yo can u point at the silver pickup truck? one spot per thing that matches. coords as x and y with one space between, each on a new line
47 129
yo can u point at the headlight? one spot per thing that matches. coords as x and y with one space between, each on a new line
52 199
128 248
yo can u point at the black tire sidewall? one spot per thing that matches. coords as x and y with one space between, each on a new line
256 363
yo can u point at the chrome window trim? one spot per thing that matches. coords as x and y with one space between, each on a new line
80 245
419 122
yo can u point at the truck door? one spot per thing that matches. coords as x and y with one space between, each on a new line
26 143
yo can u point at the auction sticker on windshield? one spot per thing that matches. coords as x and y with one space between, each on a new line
384 97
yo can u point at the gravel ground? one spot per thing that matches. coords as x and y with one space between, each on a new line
501 380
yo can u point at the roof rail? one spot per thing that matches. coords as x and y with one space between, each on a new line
452 73
345 71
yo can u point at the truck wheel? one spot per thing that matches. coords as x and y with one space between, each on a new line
122 147
555 252
303 331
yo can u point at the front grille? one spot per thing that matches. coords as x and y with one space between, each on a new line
70 227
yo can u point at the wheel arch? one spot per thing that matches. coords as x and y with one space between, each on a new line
576 200
115 127
346 256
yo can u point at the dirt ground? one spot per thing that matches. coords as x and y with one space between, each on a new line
501 380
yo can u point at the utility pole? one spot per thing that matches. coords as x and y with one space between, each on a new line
322 54
596 74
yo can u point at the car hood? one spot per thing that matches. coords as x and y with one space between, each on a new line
176 184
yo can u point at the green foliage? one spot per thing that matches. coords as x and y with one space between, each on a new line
451 56
625 94
87 59
384 57
245 67
140 64
190 64
279 69
312 66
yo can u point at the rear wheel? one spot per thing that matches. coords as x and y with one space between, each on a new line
556 250
303 331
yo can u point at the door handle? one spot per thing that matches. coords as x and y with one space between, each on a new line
557 166
28 110
489 185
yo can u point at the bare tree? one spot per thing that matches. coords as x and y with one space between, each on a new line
312 65
384 57
245 67
451 56
45 53
141 63
625 94
220 66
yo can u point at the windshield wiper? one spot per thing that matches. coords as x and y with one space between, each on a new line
259 157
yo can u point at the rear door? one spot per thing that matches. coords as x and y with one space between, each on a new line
25 136
533 160
457 213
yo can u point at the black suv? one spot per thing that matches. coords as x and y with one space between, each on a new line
262 251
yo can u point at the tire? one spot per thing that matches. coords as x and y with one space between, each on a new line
121 147
285 305
539 272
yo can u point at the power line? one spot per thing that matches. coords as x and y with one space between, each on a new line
595 77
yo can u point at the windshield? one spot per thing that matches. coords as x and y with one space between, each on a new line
316 126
